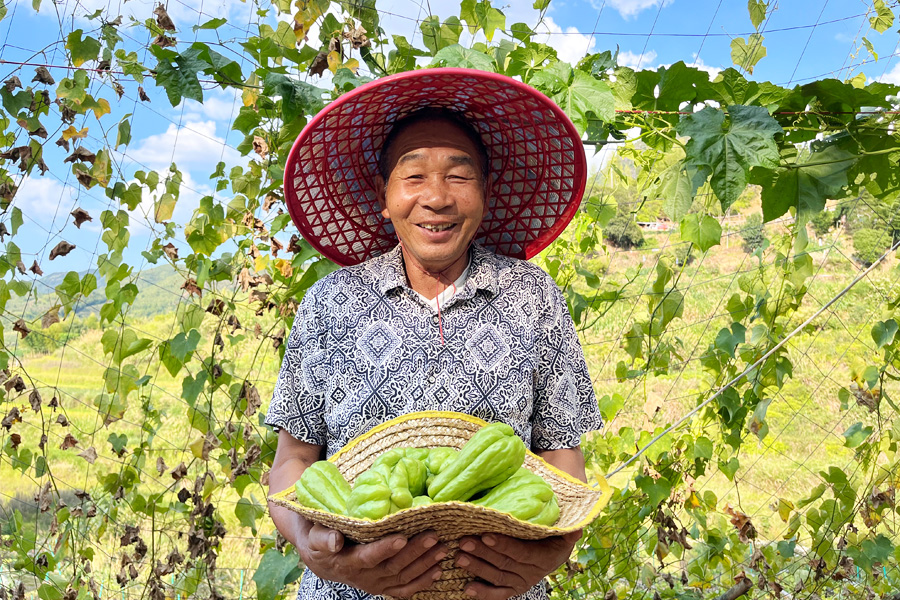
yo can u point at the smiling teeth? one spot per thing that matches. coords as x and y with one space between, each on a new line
437 227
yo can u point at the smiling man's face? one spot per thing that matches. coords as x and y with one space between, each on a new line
435 194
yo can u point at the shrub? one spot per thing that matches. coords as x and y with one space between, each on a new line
624 233
822 222
753 233
869 244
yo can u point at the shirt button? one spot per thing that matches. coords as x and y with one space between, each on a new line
431 379
435 319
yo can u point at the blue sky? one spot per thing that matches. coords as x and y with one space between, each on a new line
806 40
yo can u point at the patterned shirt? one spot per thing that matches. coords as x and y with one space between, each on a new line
365 348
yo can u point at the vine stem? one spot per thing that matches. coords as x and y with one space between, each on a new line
752 367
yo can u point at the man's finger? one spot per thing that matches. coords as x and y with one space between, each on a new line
369 556
483 591
324 540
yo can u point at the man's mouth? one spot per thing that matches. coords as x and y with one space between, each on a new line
437 228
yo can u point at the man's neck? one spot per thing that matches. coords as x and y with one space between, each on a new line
429 283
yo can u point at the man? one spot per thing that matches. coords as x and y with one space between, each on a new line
438 322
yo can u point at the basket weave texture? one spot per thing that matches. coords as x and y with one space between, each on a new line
579 503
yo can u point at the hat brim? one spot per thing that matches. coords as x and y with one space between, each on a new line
537 162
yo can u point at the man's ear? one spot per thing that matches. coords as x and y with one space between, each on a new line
380 196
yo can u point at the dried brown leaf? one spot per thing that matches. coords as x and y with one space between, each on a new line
89 455
171 251
21 328
43 497
15 439
42 75
190 286
179 472
63 143
163 41
68 442
12 83
161 465
80 216
216 307
61 249
270 201
162 18
81 153
260 146
40 132
20 267
142 94
50 317
276 247
319 64
251 395
11 418
130 536
35 400
15 382
36 269
62 420
244 279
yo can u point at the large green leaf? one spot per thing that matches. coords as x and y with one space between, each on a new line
460 56
701 230
437 34
177 73
82 50
273 570
883 19
806 186
729 148
577 93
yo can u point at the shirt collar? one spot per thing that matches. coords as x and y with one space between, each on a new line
483 271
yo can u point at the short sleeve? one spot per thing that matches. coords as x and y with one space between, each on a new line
298 404
565 406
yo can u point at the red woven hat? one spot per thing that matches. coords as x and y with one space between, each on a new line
537 163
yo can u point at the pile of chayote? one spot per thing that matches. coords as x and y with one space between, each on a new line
487 471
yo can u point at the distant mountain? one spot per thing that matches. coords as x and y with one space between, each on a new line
160 289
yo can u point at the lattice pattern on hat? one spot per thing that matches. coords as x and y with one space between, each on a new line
536 160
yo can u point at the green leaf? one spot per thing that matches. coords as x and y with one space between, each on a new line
577 93
883 19
272 572
703 231
610 406
73 287
82 50
806 186
856 434
883 332
123 137
460 56
757 10
164 207
437 34
177 73
248 513
728 339
729 148
746 53
729 468
2 9
298 98
657 490
540 4
481 15
15 220
677 192
211 24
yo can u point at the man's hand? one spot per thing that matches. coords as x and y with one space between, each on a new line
393 566
508 566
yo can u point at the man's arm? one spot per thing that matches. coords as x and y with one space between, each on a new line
391 566
509 566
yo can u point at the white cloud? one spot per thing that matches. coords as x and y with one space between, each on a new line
636 60
571 46
629 8
892 76
194 145
218 105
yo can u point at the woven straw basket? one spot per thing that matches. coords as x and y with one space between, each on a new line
579 503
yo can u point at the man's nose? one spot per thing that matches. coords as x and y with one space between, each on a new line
436 194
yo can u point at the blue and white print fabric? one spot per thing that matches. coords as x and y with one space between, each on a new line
365 348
